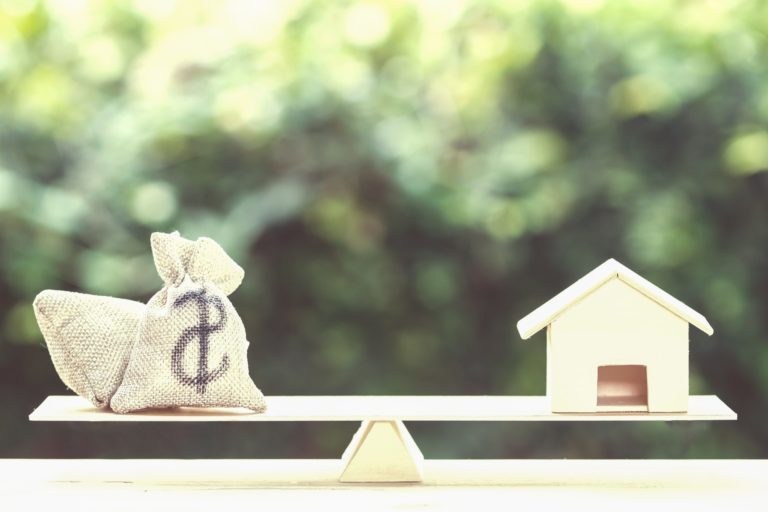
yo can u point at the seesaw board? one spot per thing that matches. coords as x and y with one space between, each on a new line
379 408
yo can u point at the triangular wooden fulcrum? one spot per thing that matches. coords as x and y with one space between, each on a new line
382 451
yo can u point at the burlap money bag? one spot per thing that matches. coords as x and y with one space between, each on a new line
89 338
191 348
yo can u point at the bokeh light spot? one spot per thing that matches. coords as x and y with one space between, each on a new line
505 220
532 151
639 95
60 210
153 203
8 195
102 59
366 25
748 153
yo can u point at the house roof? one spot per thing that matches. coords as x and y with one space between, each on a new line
547 312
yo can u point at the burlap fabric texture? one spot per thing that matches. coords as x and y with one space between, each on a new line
89 338
190 348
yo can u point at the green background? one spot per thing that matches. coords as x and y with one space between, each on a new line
402 182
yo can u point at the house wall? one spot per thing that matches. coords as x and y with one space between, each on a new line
617 325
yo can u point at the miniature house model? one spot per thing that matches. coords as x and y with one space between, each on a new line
615 342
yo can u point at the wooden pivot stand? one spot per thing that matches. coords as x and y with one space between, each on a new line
382 450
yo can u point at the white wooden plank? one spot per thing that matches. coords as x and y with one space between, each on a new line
323 473
360 408
188 485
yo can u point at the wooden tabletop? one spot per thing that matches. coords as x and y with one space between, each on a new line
359 408
187 485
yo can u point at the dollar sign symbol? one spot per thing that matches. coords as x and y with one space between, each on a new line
202 332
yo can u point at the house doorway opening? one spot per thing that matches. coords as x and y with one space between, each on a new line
622 388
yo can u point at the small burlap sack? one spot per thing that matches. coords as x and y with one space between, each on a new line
191 348
89 338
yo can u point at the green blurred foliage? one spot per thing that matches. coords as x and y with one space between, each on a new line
402 181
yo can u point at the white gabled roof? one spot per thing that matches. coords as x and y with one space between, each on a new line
547 312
